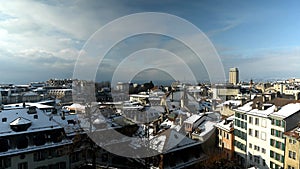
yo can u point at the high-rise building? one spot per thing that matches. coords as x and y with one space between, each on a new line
233 75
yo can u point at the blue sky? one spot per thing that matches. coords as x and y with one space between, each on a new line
42 39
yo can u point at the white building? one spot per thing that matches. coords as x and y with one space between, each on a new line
258 136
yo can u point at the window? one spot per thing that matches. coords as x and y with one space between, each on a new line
282 124
278 122
4 119
272 154
272 121
263 150
227 135
250 119
272 132
278 133
256 159
277 156
282 159
292 155
263 123
256 147
39 156
250 132
290 141
282 146
5 162
291 167
250 145
256 121
242 124
23 165
277 144
272 142
263 135
256 133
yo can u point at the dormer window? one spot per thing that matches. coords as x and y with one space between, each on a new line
4 119
20 124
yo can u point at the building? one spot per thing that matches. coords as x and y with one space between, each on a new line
258 135
234 76
226 137
30 139
282 120
292 148
30 97
240 133
65 95
225 92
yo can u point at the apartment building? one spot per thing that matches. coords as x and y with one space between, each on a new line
258 136
240 133
29 139
292 148
283 120
226 137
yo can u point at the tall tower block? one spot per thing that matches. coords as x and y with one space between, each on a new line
234 75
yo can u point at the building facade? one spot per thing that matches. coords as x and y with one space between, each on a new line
226 137
234 75
240 134
292 148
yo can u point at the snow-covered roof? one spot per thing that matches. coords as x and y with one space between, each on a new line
30 94
193 118
226 126
170 140
39 121
20 105
287 110
232 102
263 113
246 107
70 123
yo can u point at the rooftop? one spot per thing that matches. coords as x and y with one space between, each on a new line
39 121
193 118
294 133
263 113
287 110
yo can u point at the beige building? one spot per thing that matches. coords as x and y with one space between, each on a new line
65 95
234 75
292 148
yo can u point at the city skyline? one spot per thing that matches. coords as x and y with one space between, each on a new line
260 38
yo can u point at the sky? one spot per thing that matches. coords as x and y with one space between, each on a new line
41 39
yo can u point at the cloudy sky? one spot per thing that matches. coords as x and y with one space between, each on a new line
42 39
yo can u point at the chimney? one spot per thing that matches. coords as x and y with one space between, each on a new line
263 99
277 108
257 105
